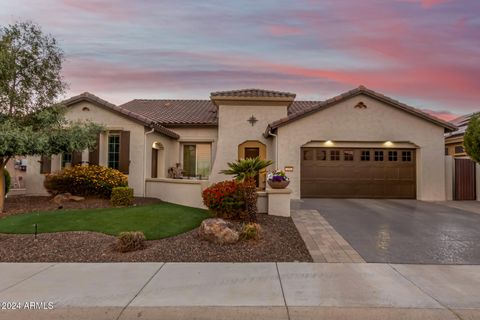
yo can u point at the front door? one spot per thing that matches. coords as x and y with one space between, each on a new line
253 153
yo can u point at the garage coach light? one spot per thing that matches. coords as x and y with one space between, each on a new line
329 143
388 144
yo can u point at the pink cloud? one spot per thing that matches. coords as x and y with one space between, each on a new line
444 115
284 30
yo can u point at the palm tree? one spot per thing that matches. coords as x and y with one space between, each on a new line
245 170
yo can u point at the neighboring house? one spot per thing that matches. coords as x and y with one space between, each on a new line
454 140
465 173
358 144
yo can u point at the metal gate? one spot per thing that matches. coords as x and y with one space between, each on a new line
465 179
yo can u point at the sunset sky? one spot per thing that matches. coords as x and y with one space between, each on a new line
425 53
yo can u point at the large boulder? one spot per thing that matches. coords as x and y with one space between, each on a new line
218 231
63 197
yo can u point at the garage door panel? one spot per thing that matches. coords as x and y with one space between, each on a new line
354 173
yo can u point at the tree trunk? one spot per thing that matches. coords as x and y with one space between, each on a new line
251 199
2 189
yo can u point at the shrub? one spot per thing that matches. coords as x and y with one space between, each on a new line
225 199
86 180
121 197
8 180
251 231
130 241
245 170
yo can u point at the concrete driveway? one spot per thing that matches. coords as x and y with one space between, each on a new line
404 231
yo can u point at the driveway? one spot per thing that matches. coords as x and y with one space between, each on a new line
404 231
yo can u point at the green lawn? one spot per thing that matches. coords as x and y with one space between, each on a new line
155 221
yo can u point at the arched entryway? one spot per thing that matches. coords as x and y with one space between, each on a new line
158 160
253 149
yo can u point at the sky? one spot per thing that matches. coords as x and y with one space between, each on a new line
425 53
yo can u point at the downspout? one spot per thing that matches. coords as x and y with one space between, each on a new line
276 147
145 161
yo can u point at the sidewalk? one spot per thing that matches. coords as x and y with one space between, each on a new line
241 291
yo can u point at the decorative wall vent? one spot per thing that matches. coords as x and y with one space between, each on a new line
85 109
361 105
252 120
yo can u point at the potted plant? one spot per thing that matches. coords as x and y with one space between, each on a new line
278 179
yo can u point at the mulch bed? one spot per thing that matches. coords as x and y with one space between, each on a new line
23 204
280 241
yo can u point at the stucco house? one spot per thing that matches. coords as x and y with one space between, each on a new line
454 140
464 171
357 144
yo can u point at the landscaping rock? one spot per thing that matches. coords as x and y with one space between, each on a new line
218 231
76 198
63 197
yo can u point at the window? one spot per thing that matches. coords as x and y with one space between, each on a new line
334 155
197 160
347 155
365 156
392 155
407 156
378 155
66 159
459 149
307 154
446 151
321 155
114 151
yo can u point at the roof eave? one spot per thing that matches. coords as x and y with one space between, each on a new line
362 90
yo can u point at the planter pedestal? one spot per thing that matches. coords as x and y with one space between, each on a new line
279 202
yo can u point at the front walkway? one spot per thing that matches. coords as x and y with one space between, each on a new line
239 291
322 241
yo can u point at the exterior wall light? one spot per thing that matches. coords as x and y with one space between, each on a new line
388 144
329 143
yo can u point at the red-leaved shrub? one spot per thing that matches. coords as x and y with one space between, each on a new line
226 199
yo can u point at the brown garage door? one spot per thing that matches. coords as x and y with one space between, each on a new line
358 173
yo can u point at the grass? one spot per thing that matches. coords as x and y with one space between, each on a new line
155 221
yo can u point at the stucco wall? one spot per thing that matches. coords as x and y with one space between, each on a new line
234 129
180 191
111 121
378 122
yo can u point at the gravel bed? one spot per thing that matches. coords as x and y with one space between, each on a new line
280 241
23 204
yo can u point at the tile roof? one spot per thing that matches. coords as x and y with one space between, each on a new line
172 113
247 93
360 90
86 96
175 112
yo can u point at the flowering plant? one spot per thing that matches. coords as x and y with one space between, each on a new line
277 175
226 199
86 180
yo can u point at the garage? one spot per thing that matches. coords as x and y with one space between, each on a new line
358 173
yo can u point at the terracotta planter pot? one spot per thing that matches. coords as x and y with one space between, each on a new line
278 184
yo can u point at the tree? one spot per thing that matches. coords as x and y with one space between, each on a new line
245 170
31 120
471 139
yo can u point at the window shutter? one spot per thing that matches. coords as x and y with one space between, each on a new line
45 164
124 152
76 158
94 155
154 163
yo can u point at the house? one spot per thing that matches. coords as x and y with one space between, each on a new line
359 144
465 173
454 140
